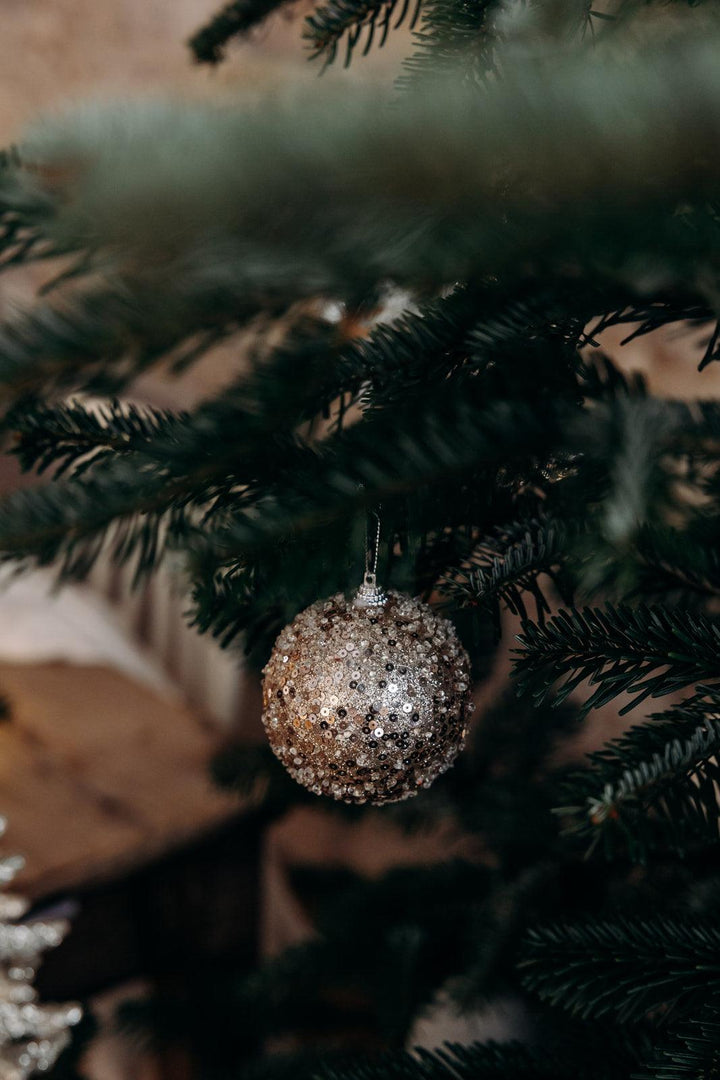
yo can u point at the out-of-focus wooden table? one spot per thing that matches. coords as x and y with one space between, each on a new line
100 774
106 786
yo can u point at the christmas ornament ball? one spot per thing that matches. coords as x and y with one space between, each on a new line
367 700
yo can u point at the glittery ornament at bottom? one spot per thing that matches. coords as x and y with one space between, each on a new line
367 700
32 1034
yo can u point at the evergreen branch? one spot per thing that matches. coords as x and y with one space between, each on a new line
168 467
104 335
74 437
507 565
477 328
640 432
25 214
409 350
601 380
476 1061
450 33
329 23
532 312
566 192
677 563
640 462
330 187
645 651
387 458
481 327
71 522
627 968
265 590
693 1052
653 789
298 532
648 318
627 445
236 19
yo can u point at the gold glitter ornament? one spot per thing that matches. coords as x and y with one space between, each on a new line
367 700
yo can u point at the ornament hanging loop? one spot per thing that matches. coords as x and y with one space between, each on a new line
375 548
369 595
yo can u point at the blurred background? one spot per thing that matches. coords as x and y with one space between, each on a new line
115 709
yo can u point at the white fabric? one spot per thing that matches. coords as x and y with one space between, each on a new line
41 623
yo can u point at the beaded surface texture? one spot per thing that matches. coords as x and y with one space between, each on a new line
367 704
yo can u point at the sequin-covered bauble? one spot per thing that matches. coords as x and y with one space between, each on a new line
367 700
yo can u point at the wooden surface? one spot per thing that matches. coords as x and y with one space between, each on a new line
99 775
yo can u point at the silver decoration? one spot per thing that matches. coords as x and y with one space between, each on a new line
369 595
31 1035
367 700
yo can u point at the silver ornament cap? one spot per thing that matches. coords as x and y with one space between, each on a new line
369 595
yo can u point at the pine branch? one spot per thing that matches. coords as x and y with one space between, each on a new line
601 380
677 564
506 568
70 523
298 535
653 789
645 651
104 335
330 185
641 432
337 19
533 312
74 437
455 1062
626 968
25 214
628 445
692 1054
267 587
450 33
387 458
168 469
410 350
479 329
236 19
648 318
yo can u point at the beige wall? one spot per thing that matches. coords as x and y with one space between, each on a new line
54 52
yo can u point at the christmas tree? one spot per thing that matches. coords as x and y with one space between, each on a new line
543 171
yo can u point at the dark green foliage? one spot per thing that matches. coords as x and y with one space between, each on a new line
235 19
451 33
73 437
345 228
24 214
694 1053
106 335
656 787
624 968
328 25
506 567
453 1062
647 652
